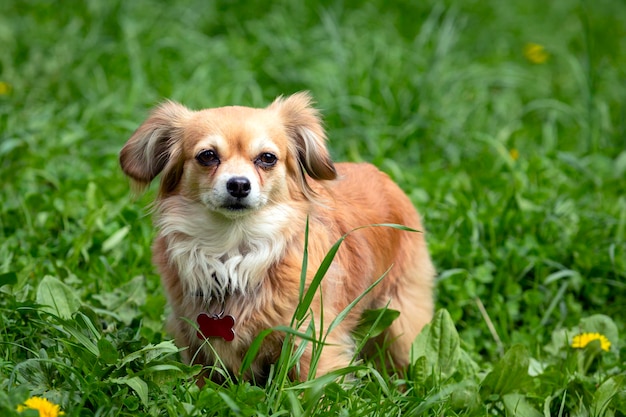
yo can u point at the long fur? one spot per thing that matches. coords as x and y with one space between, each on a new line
217 258
217 248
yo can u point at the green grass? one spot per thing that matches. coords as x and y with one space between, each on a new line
517 167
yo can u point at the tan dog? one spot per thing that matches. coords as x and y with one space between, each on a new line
237 186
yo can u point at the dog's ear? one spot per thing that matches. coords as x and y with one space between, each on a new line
154 145
307 136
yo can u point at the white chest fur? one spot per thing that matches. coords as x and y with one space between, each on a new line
216 256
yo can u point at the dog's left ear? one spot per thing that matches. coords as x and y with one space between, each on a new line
308 139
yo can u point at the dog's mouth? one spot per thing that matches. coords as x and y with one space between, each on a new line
235 207
231 207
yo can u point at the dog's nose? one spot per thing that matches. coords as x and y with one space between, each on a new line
238 187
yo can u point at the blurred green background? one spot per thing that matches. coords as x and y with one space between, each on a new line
504 121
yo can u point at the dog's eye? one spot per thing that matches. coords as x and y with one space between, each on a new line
266 160
207 158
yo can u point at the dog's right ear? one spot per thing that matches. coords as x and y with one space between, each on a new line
154 143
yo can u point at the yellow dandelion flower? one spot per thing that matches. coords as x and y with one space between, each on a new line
514 154
5 88
583 339
536 53
45 407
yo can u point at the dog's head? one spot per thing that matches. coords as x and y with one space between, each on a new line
232 159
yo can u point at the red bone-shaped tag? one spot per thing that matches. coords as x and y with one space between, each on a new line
216 326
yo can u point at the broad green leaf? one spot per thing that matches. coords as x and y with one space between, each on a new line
9 278
7 145
431 401
136 384
510 374
108 352
115 239
599 323
467 366
159 351
420 370
465 395
536 368
560 339
83 331
131 402
604 395
517 405
30 373
57 298
125 300
151 352
439 342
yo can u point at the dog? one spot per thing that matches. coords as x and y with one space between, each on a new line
238 187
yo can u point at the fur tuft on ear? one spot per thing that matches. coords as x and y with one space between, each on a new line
153 144
308 139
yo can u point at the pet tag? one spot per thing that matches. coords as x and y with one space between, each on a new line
216 326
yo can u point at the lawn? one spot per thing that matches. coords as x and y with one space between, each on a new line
505 122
